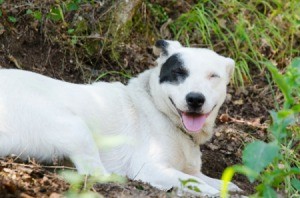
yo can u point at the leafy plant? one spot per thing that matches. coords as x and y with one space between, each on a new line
190 184
12 19
158 12
275 164
56 13
36 14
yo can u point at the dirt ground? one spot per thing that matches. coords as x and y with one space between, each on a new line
243 117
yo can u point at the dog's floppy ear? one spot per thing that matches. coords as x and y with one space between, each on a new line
165 47
230 64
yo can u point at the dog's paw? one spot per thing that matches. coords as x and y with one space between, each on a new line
188 193
233 188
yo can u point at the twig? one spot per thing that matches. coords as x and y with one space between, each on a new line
34 166
227 118
11 58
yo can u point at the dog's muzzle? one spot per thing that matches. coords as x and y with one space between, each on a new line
193 121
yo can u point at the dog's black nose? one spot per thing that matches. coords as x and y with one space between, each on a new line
195 100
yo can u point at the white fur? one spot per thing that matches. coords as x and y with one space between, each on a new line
44 118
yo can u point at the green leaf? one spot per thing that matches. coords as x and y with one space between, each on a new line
70 31
268 192
281 82
275 177
74 40
1 1
55 14
296 184
278 176
280 121
258 155
296 108
285 113
189 184
29 11
72 6
194 188
72 177
185 182
12 19
37 15
296 63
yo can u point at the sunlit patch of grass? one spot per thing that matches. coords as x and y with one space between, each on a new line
250 32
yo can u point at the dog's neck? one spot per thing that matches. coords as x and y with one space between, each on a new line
189 136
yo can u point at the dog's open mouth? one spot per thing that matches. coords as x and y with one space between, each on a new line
193 122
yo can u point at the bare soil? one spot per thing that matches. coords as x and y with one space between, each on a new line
243 117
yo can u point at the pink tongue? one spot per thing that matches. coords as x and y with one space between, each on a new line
192 122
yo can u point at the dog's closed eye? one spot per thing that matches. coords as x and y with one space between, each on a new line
213 76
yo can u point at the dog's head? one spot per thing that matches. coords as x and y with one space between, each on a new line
193 82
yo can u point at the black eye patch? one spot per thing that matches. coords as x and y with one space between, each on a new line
173 70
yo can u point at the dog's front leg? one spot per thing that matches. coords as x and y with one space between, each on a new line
216 183
165 178
88 163
80 146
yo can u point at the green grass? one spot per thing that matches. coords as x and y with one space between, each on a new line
250 32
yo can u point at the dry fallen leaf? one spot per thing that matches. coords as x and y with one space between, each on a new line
238 102
224 117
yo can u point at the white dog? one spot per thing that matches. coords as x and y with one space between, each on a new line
168 111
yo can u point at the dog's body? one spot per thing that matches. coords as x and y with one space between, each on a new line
166 112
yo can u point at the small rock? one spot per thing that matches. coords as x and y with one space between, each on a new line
228 97
212 146
217 134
